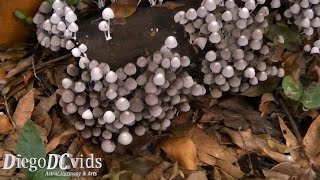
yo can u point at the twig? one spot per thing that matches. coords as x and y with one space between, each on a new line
8 112
291 120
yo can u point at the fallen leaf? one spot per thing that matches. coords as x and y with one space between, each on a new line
5 125
211 146
230 169
291 88
206 158
47 103
21 66
199 175
24 109
10 142
295 171
42 119
181 149
293 64
7 55
157 172
311 97
124 8
311 140
142 165
291 140
266 100
170 5
61 139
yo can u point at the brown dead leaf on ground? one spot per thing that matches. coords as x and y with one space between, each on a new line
5 125
311 141
47 103
21 66
181 149
157 172
199 175
171 5
289 170
230 169
124 8
42 119
211 146
61 139
24 109
10 142
293 64
291 140
206 158
265 105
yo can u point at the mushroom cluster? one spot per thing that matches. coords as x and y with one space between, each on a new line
305 14
133 99
237 57
56 25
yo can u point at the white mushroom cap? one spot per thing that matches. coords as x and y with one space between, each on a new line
83 48
106 134
151 99
73 27
184 107
187 81
109 117
96 74
156 110
66 83
136 105
87 114
104 26
80 99
219 79
280 72
211 56
130 84
67 96
159 79
185 61
235 81
201 42
108 146
155 126
79 86
249 72
140 130
216 93
111 77
57 4
130 69
175 62
122 104
125 138
107 14
228 71
210 5
76 52
254 81
196 90
69 45
171 42
45 7
240 64
142 62
79 125
127 117
70 17
191 14
71 108
150 88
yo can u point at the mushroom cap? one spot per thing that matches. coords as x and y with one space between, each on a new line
125 138
107 14
151 99
66 83
249 72
191 14
67 96
122 104
244 13
219 79
159 79
187 81
215 37
76 52
171 42
109 117
136 105
216 93
104 26
155 111
175 62
228 71
96 74
71 108
127 117
240 64
150 88
139 130
70 16
73 27
213 26
108 146
111 77
87 114
201 42
155 126
235 81
210 5
185 61
211 56
79 125
79 86
130 84
130 69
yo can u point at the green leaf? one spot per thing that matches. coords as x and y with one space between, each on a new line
30 145
311 97
291 88
72 2
28 20
292 38
43 174
19 14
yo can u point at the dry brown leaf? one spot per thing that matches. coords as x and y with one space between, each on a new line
264 106
21 66
275 175
5 125
278 156
174 171
48 102
311 140
294 64
211 146
12 54
206 158
230 169
42 119
24 109
291 140
181 149
10 142
61 139
124 8
157 172
295 171
199 175
171 5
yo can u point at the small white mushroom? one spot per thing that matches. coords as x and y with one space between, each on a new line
171 42
127 117
108 146
125 138
87 114
122 104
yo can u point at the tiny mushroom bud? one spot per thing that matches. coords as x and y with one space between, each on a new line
139 130
159 79
108 146
125 138
67 96
171 42
228 71
111 77
249 72
87 114
96 74
127 117
66 83
122 104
